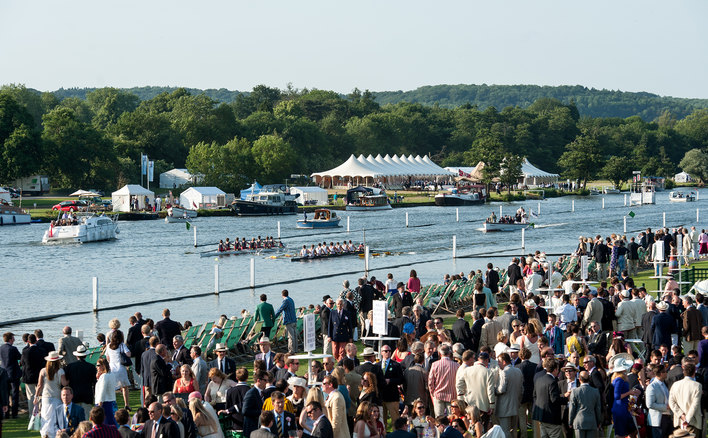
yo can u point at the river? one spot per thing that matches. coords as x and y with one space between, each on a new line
153 260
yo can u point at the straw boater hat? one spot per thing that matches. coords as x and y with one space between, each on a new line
264 340
662 306
514 348
80 351
220 347
569 366
53 356
682 433
368 351
621 364
531 304
297 381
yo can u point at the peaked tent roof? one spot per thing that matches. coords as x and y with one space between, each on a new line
531 171
207 191
351 167
133 189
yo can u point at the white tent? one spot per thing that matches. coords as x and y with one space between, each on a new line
176 178
123 197
310 195
534 176
196 198
683 177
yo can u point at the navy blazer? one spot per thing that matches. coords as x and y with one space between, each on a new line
289 423
146 360
251 408
663 326
451 432
10 357
323 429
340 327
32 363
547 400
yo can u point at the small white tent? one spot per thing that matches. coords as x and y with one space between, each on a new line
176 178
202 197
123 197
682 177
310 195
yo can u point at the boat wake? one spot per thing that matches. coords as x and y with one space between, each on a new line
551 225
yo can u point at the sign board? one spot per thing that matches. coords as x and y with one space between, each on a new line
380 317
584 268
310 335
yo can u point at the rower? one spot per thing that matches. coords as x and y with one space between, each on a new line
303 251
221 246
311 252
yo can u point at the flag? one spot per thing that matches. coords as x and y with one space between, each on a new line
195 206
151 170
631 214
460 172
143 164
188 225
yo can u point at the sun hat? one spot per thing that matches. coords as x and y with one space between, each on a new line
662 306
80 351
264 340
621 364
368 351
531 304
296 381
53 356
220 347
514 348
194 394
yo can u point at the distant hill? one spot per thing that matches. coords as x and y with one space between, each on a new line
589 101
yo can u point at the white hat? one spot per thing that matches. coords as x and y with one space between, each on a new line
220 347
80 351
514 348
264 340
662 305
53 356
368 351
569 366
621 364
625 293
531 304
297 381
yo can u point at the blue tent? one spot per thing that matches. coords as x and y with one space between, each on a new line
255 188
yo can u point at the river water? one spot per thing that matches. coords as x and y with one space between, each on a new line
154 260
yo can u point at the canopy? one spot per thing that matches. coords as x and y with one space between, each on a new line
383 168
255 188
122 198
85 193
202 197
533 176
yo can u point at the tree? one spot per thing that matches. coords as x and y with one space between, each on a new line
510 170
695 162
582 159
230 166
108 104
20 145
617 170
274 156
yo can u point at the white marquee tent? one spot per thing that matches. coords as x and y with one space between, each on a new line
196 198
122 197
533 176
317 195
176 178
388 169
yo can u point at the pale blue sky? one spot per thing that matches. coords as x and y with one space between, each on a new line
655 46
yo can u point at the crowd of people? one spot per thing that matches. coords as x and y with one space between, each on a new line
560 358
255 243
323 250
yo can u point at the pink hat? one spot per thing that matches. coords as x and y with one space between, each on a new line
194 394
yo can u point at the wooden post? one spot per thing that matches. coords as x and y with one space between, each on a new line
278 229
523 238
366 260
664 220
406 219
253 273
454 247
195 236
95 294
625 224
625 199
603 203
572 205
539 207
216 279
347 224
457 215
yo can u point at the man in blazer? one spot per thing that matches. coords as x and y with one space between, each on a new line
322 427
31 362
67 345
82 379
663 326
444 428
180 353
325 311
266 355
657 401
224 364
135 332
267 421
340 329
685 399
166 328
509 391
393 377
336 407
68 415
253 403
548 400
265 313
10 358
200 369
585 408
234 399
285 421
491 279
160 372
158 426
513 274
461 330
48 347
148 357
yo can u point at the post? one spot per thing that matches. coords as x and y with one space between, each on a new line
697 215
539 208
625 224
457 215
95 294
523 238
664 220
347 224
625 199
572 205
500 212
253 273
454 247
195 236
366 260
278 229
406 219
603 203
216 279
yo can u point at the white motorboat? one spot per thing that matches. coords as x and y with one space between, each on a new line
176 219
10 214
509 226
181 212
611 190
682 197
594 191
88 227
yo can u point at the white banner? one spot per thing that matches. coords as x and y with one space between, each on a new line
380 317
151 170
143 164
584 268
310 335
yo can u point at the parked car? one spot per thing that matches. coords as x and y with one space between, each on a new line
74 205
96 203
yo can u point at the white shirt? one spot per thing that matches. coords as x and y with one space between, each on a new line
567 313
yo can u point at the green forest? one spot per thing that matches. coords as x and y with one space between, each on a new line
94 138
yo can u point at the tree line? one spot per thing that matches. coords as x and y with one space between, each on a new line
269 134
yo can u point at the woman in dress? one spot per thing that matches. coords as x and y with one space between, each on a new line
530 341
401 350
207 424
575 342
51 380
369 389
376 418
413 283
673 258
614 254
621 417
216 389
105 390
115 347
703 244
185 383
364 427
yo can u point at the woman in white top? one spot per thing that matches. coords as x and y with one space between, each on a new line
114 348
501 346
529 340
390 284
51 380
216 389
364 427
105 391
207 425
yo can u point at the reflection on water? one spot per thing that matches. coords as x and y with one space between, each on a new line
153 260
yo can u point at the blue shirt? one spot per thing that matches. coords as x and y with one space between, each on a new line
288 311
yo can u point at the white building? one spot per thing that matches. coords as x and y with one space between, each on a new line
196 198
122 198
310 195
175 178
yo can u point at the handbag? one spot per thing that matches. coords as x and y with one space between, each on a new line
35 422
124 358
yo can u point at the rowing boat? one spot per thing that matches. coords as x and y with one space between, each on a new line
240 252
328 256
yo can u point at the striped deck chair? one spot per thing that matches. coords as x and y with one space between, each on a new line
94 354
434 294
423 291
444 298
239 329
190 335
203 339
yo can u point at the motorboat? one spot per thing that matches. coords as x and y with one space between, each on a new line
367 199
323 219
271 200
594 191
611 190
12 215
82 228
457 197
679 196
508 226
181 212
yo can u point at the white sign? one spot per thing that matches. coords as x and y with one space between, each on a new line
310 335
584 267
380 317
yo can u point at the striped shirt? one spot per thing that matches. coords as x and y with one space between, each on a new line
441 380
102 431
288 311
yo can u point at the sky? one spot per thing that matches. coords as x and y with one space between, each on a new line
654 46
